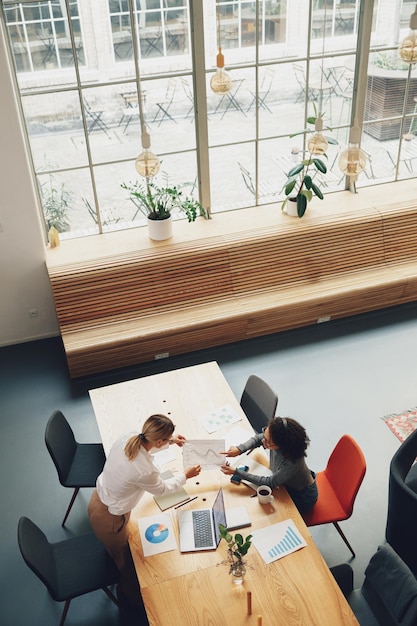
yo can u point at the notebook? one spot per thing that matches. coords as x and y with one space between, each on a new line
171 499
199 528
237 517
254 468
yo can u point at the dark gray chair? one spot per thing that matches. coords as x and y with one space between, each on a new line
77 464
259 402
401 525
388 596
69 568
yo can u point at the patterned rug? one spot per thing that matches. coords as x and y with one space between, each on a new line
402 424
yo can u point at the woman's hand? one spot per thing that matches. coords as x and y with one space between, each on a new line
192 471
179 440
227 469
232 451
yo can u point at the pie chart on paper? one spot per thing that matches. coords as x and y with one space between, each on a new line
156 533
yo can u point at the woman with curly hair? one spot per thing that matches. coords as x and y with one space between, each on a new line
287 442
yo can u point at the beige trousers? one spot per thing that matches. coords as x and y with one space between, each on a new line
112 531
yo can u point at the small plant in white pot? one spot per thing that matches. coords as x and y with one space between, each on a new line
303 179
158 203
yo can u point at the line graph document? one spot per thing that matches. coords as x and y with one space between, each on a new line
204 452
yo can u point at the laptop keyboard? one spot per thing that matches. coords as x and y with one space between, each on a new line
202 529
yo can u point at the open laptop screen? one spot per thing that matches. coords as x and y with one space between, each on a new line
219 515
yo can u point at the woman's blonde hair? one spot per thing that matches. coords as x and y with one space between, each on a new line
156 427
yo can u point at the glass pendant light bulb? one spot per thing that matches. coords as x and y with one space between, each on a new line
147 164
352 161
220 82
408 47
318 144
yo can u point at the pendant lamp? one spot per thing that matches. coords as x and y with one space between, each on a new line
408 47
147 163
353 160
221 81
318 144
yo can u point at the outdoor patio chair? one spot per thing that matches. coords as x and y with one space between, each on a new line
94 119
264 89
164 106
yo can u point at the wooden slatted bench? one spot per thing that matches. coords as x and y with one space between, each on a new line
177 297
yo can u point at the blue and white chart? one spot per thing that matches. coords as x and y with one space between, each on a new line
278 540
204 452
156 534
219 418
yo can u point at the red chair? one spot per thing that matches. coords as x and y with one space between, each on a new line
338 485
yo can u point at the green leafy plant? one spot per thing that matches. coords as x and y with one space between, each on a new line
159 202
56 201
302 182
389 61
237 546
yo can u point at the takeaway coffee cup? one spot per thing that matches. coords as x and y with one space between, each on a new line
264 494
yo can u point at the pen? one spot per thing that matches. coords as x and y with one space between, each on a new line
186 502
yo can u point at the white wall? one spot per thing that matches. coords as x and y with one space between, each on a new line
24 284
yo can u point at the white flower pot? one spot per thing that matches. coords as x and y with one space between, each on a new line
159 230
291 208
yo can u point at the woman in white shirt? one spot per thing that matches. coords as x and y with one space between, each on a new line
128 473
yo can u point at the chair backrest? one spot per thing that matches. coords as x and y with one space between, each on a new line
259 402
390 589
267 80
345 471
171 89
300 75
61 443
247 178
37 553
402 504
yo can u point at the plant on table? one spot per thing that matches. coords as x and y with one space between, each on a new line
303 178
237 548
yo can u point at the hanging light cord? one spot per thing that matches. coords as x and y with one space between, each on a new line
218 30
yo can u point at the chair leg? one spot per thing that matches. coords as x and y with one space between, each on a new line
341 533
64 612
112 596
74 495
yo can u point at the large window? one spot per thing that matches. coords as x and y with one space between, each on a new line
77 77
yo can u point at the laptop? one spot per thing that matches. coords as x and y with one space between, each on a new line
199 528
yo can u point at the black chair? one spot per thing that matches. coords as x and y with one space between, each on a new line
259 402
77 464
69 568
388 596
402 502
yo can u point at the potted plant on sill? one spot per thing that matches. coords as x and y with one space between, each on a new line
301 182
157 203
237 548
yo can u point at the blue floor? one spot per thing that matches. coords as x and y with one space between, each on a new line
336 378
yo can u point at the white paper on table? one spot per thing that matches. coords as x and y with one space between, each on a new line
219 418
278 540
157 534
237 435
164 456
204 452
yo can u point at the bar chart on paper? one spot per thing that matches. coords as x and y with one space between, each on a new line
278 540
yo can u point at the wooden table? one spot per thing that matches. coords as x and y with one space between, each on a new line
195 589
